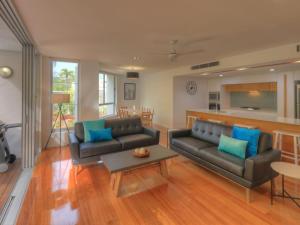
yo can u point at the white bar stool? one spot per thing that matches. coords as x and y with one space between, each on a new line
190 121
296 141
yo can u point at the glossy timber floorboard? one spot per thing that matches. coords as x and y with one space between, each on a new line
192 196
8 181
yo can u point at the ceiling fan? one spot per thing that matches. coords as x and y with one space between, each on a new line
173 54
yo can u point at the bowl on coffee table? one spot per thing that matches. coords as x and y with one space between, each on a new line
141 152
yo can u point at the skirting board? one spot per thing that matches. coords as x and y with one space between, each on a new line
17 196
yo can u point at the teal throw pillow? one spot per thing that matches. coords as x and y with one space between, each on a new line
233 146
101 135
92 125
250 135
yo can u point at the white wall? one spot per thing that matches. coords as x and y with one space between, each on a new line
121 80
11 98
88 100
183 101
156 92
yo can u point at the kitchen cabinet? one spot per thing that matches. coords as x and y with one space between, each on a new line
246 87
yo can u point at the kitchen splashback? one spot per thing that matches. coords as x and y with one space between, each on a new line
265 100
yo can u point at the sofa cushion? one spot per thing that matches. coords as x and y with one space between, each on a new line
100 135
93 125
190 144
125 126
209 131
233 146
79 131
226 161
265 143
99 148
250 135
135 141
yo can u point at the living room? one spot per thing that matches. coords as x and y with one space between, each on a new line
149 112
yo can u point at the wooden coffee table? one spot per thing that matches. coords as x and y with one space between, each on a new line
289 170
121 162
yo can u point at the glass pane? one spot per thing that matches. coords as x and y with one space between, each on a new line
65 78
68 111
101 88
109 89
106 110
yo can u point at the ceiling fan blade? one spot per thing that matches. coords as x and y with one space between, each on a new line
159 53
197 40
192 52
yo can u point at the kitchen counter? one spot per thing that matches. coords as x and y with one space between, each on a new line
253 115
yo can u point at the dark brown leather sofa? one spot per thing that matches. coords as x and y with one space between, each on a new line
128 133
201 145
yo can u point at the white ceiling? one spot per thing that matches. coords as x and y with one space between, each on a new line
8 41
113 32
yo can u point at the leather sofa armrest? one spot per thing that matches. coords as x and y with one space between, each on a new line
179 133
259 167
153 133
74 147
175 133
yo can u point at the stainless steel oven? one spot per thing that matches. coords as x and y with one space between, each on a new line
214 100
214 96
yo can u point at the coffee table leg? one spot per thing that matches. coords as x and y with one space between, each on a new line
272 191
116 182
282 184
163 168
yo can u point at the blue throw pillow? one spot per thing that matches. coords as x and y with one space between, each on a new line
100 135
250 135
91 125
233 146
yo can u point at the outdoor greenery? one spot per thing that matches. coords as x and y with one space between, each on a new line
65 82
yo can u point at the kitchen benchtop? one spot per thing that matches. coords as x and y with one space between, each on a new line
256 115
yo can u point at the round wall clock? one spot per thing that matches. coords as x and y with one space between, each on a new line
5 71
191 87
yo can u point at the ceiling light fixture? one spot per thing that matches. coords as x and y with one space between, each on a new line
298 61
204 74
132 68
221 75
272 70
6 71
242 68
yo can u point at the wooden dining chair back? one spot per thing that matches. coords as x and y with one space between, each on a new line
123 112
147 117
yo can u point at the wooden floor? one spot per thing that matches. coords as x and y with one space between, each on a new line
192 196
8 181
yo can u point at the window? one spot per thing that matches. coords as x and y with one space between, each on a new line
107 96
65 80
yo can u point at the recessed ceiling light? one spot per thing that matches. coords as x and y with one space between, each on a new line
221 75
204 74
242 68
272 70
132 68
